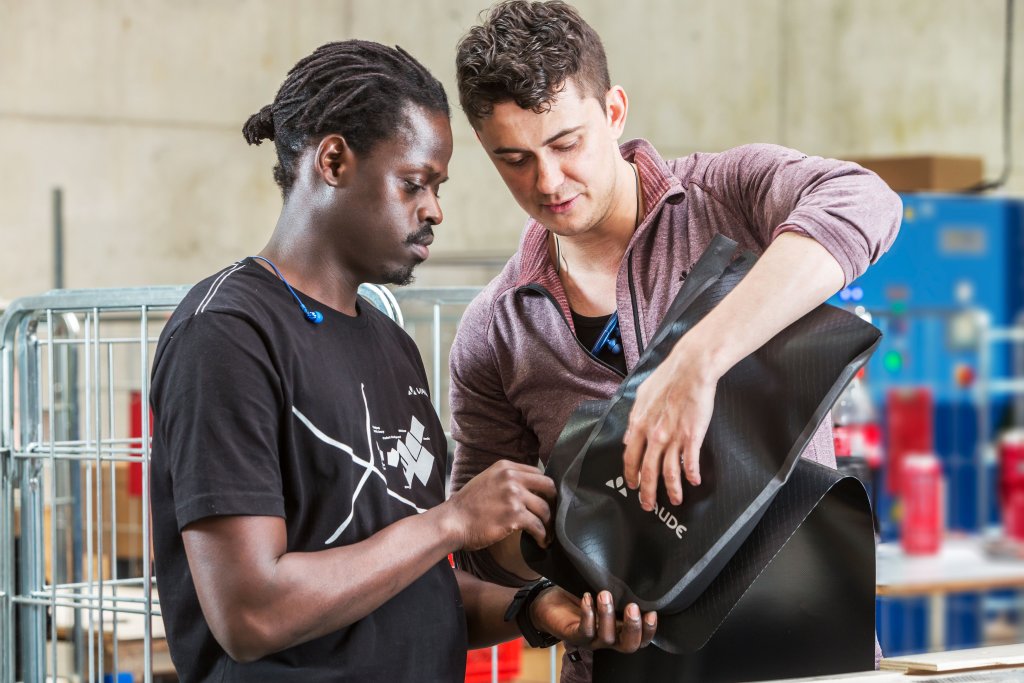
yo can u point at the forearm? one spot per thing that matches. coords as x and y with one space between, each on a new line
328 590
258 598
297 597
673 407
485 604
793 276
509 556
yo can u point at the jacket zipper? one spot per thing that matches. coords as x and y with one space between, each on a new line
632 300
547 295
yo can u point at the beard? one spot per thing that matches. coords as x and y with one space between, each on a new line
399 276
402 276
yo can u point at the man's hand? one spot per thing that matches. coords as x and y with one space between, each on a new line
581 623
673 407
668 423
504 498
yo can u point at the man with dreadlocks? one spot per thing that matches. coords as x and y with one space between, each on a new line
300 525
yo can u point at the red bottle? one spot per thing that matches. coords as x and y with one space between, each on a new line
857 436
855 424
921 484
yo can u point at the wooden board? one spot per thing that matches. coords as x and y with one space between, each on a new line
958 660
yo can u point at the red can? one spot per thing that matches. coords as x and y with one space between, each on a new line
1011 482
1013 515
921 484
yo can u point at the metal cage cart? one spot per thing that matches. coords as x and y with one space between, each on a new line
78 598
79 595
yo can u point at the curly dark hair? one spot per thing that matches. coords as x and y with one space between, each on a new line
355 88
526 52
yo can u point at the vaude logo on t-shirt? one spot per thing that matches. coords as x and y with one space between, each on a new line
662 513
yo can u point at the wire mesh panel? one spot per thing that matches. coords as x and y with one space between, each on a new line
80 598
6 540
431 317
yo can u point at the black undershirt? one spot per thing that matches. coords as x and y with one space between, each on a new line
588 330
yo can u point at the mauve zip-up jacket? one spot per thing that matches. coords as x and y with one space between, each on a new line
517 369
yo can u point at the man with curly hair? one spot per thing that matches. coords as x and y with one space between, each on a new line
612 233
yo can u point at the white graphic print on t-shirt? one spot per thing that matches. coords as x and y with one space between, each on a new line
416 461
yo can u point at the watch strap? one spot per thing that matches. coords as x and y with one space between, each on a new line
519 609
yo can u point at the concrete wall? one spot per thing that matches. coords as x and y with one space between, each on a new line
134 108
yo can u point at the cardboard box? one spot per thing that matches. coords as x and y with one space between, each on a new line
926 173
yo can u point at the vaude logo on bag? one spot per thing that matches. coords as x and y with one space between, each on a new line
667 518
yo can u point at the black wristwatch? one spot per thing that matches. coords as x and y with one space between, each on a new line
520 610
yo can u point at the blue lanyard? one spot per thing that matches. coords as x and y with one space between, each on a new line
609 337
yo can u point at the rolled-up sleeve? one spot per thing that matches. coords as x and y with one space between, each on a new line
846 208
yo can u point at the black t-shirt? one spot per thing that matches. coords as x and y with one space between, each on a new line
257 411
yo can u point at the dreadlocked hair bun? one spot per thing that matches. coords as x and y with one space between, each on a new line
357 89
260 126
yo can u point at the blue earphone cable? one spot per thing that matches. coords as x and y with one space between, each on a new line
315 317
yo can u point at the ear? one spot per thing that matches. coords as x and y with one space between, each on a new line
335 161
616 105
